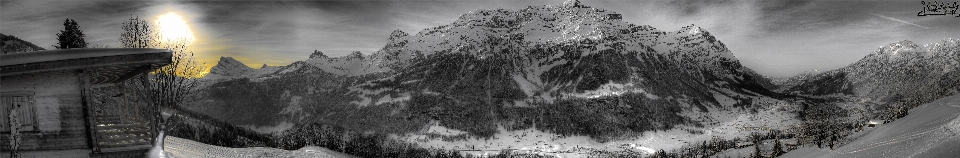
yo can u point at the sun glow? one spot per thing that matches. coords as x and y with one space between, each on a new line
173 27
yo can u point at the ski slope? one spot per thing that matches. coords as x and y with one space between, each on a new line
930 130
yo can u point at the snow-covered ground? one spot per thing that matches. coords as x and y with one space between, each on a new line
930 130
177 147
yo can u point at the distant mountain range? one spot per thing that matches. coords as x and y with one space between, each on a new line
503 60
895 71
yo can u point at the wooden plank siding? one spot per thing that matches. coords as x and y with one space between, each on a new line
59 113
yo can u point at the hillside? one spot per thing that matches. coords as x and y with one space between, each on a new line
12 44
496 62
930 130
901 74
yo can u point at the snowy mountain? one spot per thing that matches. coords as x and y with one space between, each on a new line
355 64
475 73
551 51
228 68
896 71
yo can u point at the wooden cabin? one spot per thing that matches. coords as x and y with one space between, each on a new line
78 102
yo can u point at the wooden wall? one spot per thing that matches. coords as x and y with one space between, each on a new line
59 111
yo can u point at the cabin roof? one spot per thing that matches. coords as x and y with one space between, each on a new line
109 64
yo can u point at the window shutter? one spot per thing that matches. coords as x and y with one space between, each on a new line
27 113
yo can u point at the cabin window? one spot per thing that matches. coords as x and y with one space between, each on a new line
27 112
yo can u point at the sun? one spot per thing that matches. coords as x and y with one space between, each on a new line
173 27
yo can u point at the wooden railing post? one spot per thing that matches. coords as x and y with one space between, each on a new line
88 113
150 104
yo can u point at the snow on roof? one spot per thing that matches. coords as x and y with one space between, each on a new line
67 54
110 64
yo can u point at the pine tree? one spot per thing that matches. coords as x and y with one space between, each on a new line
777 148
70 36
661 153
756 146
833 137
705 149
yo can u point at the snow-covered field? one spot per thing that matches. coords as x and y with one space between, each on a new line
930 130
177 147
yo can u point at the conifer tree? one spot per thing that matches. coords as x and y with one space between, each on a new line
71 36
756 146
777 148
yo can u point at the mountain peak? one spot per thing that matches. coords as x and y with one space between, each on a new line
355 55
571 3
264 66
397 34
895 48
228 65
317 54
692 29
225 59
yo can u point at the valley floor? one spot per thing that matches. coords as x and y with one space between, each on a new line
718 123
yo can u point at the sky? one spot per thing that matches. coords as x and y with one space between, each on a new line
774 38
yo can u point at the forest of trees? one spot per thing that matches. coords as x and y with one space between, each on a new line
201 128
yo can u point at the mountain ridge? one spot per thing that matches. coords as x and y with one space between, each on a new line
489 61
12 44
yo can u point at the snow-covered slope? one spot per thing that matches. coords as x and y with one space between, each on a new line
542 53
179 147
228 68
483 69
900 69
569 23
355 64
930 130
